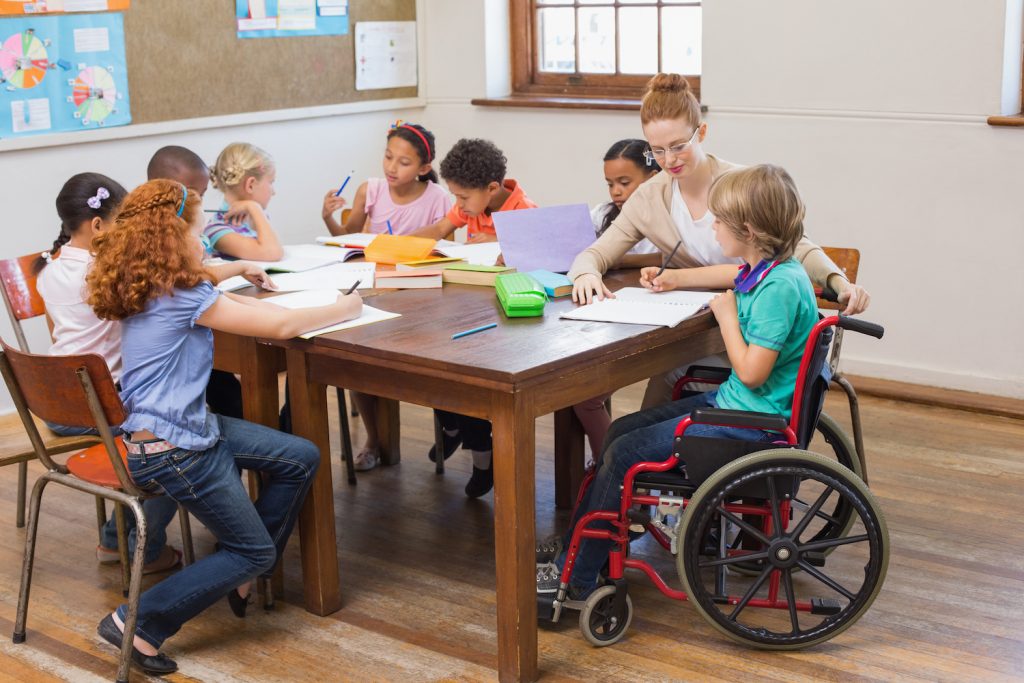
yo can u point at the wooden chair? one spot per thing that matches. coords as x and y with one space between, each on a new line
79 391
22 301
848 261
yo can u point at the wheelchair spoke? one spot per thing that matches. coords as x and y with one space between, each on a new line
787 578
725 561
828 581
754 587
812 512
773 503
833 542
753 531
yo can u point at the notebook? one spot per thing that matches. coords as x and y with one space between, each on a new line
334 276
433 262
470 274
544 239
409 279
300 257
481 253
639 306
325 297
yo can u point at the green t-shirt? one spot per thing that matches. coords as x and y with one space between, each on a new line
777 314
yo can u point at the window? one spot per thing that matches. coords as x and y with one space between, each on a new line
602 48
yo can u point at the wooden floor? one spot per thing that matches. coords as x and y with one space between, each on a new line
418 578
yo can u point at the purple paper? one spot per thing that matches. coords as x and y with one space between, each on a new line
544 239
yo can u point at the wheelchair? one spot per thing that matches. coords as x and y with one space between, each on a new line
751 525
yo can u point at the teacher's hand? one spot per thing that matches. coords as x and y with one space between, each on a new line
589 287
855 297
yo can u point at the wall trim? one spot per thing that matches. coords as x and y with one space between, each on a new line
848 114
938 397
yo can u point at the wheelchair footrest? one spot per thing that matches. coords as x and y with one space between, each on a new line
826 606
545 607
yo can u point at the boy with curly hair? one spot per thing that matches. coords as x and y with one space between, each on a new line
475 173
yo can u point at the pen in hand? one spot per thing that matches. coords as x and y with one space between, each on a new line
352 288
664 264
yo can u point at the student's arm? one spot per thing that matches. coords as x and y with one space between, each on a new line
357 218
823 272
264 247
702 277
438 231
751 363
332 205
228 314
250 271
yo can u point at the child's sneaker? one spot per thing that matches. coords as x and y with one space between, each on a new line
549 549
548 575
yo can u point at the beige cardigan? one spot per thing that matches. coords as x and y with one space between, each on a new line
648 213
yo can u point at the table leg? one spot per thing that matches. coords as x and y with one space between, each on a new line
320 578
388 431
514 537
570 456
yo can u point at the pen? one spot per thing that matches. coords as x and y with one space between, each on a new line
211 210
352 288
665 263
390 232
343 184
488 326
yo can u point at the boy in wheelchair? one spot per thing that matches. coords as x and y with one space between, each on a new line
765 322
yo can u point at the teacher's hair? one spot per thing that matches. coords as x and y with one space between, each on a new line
669 97
761 206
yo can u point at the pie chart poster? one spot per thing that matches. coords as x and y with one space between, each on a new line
62 73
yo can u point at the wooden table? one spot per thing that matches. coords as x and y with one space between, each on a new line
525 368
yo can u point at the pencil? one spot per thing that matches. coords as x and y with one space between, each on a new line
664 264
390 232
352 288
459 335
343 184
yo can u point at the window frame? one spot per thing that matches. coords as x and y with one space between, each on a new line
528 80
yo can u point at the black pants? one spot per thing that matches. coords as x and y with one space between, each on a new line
475 433
224 394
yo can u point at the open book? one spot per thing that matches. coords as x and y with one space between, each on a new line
640 306
325 297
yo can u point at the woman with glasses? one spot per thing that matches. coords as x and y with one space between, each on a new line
671 210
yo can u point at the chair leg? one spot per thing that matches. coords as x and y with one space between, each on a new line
19 520
267 588
134 587
122 547
438 445
858 434
347 457
29 559
355 410
101 517
187 549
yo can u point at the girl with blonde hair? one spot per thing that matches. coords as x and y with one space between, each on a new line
245 174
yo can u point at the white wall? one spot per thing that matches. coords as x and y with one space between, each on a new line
877 108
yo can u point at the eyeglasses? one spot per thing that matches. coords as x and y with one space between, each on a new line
675 150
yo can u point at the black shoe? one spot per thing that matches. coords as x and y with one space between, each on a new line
237 603
157 664
450 443
548 549
481 482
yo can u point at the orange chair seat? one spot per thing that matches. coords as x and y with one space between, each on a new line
93 465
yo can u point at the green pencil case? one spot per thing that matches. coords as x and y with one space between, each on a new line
520 295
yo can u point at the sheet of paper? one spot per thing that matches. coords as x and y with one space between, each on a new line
296 15
300 257
359 239
92 39
337 276
368 316
678 296
310 298
385 54
547 238
85 5
29 115
482 254
637 306
232 284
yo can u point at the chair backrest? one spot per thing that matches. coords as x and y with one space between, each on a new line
77 391
345 213
814 380
21 298
848 261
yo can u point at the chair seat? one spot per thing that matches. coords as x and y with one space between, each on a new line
93 465
15 446
673 480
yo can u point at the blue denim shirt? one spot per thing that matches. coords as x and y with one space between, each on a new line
167 361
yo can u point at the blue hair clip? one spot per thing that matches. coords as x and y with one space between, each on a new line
184 196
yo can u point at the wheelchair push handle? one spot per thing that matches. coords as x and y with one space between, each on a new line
861 326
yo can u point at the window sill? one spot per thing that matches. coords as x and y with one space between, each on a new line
555 102
1012 121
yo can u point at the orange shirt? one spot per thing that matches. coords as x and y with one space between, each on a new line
484 223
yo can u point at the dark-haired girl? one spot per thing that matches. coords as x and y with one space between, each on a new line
625 169
408 195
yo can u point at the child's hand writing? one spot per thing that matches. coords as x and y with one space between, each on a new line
724 308
257 276
661 283
332 204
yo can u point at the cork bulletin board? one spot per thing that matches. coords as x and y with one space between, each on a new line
184 61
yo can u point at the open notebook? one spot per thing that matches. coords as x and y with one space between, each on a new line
333 276
640 306
324 297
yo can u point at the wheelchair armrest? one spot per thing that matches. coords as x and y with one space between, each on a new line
708 373
738 418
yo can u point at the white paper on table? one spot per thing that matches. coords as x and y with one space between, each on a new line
233 283
338 276
92 39
385 54
309 298
356 239
480 254
38 115
369 315
300 257
638 306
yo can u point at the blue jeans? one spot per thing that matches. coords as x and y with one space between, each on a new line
645 436
159 511
252 535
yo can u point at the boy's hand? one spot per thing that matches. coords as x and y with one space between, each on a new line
257 276
332 204
661 283
724 307
588 288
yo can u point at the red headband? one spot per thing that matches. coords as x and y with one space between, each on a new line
422 137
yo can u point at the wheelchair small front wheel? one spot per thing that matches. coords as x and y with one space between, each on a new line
794 600
599 622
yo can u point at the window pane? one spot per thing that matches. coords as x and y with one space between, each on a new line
680 40
638 40
557 39
554 2
597 40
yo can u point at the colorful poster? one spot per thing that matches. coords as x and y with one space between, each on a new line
62 74
18 7
289 18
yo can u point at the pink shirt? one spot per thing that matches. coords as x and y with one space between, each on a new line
427 209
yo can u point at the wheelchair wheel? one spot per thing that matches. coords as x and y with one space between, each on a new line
781 608
599 623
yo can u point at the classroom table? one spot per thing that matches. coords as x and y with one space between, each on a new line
512 374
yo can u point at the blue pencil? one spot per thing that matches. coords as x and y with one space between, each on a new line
343 184
390 232
459 335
